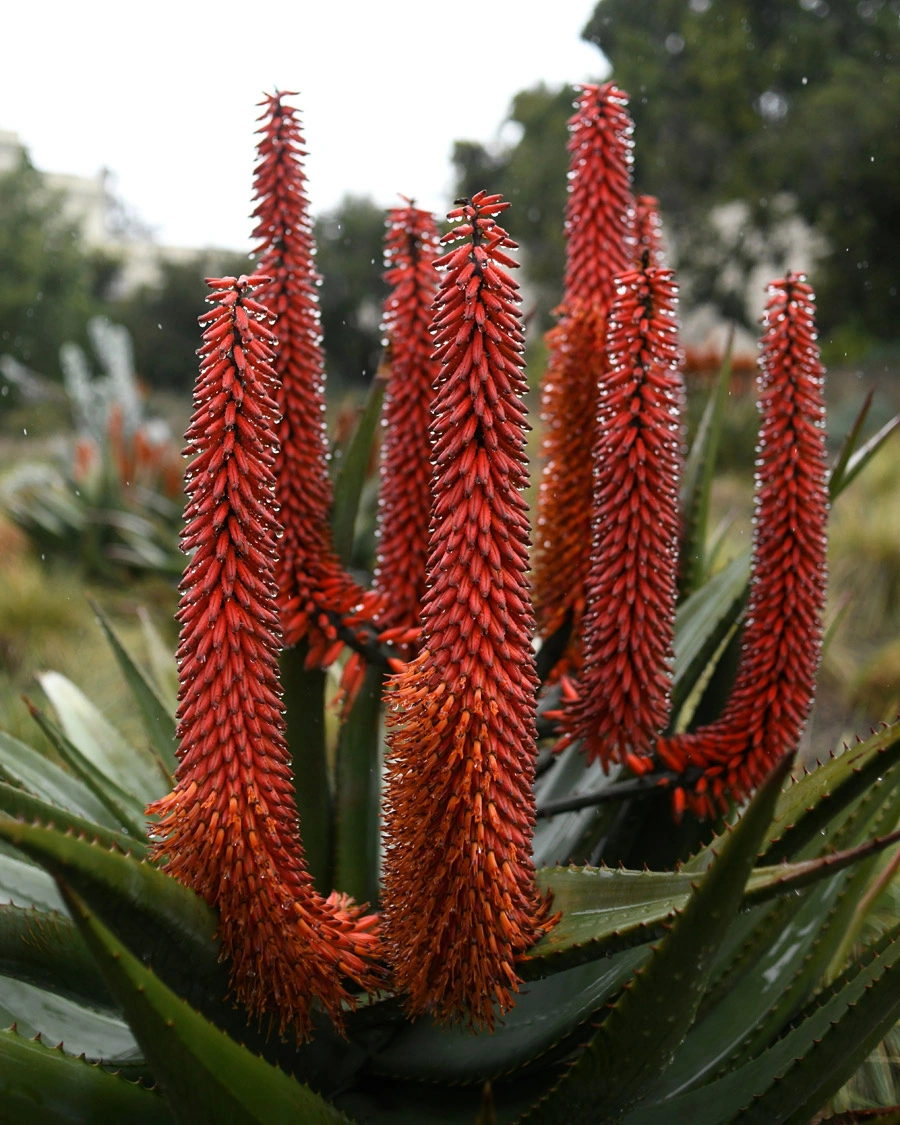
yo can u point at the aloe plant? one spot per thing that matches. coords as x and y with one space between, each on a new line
636 928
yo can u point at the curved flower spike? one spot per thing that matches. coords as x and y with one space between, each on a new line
313 586
229 829
782 640
600 246
460 905
411 247
629 628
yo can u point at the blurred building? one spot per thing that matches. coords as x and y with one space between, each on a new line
104 221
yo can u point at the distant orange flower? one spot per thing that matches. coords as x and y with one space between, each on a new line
600 245
460 902
781 645
229 829
411 247
623 693
313 587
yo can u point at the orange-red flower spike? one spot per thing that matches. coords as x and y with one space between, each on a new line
782 640
460 905
313 586
229 829
629 628
648 241
600 245
411 247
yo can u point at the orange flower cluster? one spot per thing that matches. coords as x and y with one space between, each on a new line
313 587
781 644
411 247
629 626
229 829
600 246
460 901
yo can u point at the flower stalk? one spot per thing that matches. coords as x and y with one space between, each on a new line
600 246
624 686
460 902
782 640
229 828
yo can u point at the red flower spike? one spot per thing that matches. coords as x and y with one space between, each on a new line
460 901
623 693
648 231
781 645
599 228
411 247
229 829
313 586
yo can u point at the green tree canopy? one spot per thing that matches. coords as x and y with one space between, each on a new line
50 282
744 99
349 252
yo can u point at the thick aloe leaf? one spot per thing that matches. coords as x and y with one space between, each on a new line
168 925
637 1040
811 803
81 1030
24 884
304 712
546 1013
43 949
21 765
556 837
852 461
357 796
204 1075
17 803
162 663
697 480
44 1086
134 769
857 1014
159 722
605 909
352 472
848 445
703 622
123 806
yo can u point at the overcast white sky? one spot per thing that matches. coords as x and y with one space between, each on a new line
164 94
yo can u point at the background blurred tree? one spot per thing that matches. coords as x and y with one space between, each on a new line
745 99
162 318
349 249
51 283
530 171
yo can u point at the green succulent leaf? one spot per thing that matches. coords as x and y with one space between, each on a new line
15 802
810 1061
98 1034
637 1040
852 461
547 1013
135 770
159 721
162 663
351 475
25 884
45 1086
304 712
43 949
20 765
556 838
697 480
165 923
122 806
203 1073
358 793
703 621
